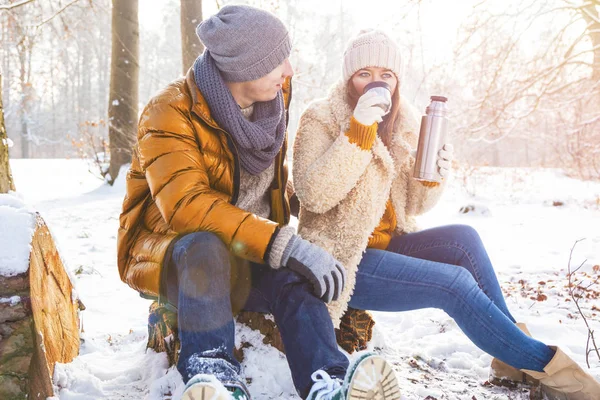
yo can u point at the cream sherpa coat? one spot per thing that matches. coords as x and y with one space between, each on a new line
343 190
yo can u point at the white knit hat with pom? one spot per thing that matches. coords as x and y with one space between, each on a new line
372 48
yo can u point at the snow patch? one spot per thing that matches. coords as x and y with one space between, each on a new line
16 231
7 142
14 300
476 209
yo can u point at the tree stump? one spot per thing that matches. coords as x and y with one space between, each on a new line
162 331
39 322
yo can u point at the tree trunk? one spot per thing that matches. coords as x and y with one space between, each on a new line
591 16
6 47
52 100
39 322
124 75
24 106
6 179
77 94
191 47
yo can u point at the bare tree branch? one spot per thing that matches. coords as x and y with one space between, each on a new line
56 13
573 286
15 5
524 72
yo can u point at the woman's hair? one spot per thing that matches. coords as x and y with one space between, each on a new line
386 127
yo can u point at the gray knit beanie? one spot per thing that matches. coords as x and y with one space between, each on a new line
246 42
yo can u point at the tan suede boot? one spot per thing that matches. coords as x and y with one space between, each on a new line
564 379
502 374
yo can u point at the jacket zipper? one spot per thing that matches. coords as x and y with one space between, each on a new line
236 169
286 205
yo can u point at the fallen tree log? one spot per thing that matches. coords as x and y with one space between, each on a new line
163 337
39 321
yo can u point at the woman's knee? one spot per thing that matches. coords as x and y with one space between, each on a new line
462 289
464 235
462 231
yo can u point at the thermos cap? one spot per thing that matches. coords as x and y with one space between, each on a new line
439 98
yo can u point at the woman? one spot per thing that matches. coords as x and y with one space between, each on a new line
353 176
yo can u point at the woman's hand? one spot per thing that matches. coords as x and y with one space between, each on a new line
367 111
444 162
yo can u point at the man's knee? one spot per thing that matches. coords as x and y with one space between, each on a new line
202 250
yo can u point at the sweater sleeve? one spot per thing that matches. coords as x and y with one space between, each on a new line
361 135
326 164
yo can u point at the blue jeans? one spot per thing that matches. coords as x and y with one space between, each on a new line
206 283
447 268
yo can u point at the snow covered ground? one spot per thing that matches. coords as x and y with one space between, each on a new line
528 234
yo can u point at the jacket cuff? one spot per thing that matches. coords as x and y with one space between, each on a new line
284 235
362 135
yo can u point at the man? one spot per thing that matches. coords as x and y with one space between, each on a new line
204 221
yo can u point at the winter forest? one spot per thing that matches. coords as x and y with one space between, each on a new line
521 76
522 79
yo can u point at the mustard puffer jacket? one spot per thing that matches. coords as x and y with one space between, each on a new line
185 177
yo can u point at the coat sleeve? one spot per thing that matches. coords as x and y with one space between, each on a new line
326 166
179 183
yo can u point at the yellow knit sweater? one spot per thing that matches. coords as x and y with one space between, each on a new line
364 136
381 237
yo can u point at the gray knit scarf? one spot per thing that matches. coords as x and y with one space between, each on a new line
259 139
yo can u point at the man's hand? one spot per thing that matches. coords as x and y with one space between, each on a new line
326 274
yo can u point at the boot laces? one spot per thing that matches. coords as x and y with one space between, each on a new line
325 387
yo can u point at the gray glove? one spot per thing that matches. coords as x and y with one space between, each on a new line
327 275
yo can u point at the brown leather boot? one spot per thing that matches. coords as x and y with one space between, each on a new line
502 374
564 379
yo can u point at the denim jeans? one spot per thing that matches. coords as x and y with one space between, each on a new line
447 268
206 283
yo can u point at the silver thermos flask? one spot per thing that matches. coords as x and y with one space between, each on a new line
432 136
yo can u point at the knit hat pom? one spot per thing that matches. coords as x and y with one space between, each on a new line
372 48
